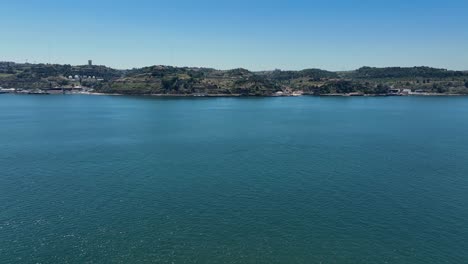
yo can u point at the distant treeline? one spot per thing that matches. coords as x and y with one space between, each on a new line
190 80
399 72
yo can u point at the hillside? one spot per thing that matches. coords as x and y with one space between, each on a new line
168 80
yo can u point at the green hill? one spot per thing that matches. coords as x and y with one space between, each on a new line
168 80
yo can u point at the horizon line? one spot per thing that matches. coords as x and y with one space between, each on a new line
250 70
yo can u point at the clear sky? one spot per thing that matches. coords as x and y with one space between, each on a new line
257 35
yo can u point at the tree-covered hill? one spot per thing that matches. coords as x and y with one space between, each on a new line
168 80
399 72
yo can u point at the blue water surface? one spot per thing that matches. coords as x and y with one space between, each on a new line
114 179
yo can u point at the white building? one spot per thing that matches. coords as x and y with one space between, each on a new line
406 91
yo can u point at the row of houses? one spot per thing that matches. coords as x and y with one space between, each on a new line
56 90
7 90
79 78
405 92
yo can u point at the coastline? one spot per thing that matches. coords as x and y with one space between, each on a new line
242 95
22 91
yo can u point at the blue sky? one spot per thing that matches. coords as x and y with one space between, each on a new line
257 35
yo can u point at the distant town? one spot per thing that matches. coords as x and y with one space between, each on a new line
27 78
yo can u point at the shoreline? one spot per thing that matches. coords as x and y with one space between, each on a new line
241 95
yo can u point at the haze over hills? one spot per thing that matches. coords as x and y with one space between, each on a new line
169 80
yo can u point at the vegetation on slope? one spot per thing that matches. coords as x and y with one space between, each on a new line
205 81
